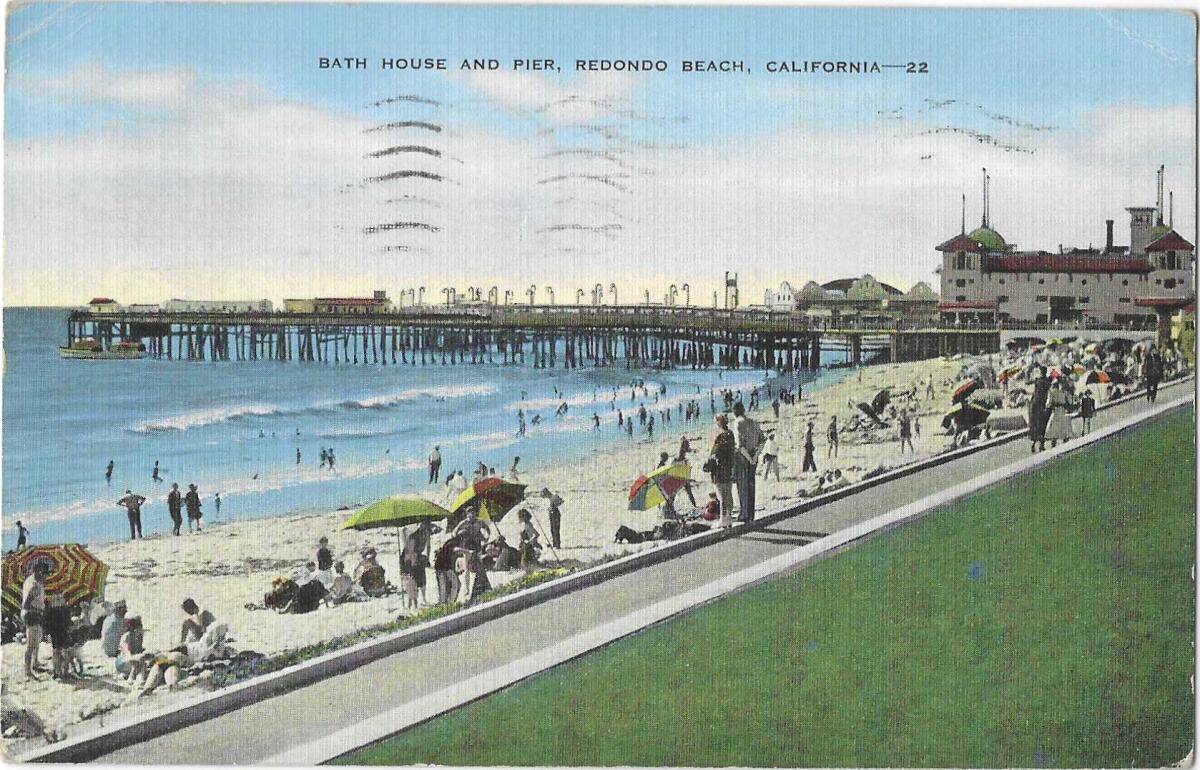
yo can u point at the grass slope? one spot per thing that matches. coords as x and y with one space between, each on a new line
1048 621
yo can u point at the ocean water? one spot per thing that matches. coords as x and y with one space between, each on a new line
234 427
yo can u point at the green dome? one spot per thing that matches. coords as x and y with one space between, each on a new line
1158 231
989 239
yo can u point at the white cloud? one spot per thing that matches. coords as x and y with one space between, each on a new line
238 196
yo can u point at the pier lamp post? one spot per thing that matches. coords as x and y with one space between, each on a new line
613 288
532 292
598 294
412 297
578 296
714 300
449 292
647 296
507 293
671 292
421 296
493 295
687 295
550 291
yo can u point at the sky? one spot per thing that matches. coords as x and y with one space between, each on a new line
199 151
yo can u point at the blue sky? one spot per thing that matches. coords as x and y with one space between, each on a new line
150 139
1047 66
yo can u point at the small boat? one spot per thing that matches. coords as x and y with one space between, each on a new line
89 349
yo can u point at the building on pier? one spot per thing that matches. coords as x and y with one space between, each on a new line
863 299
985 279
377 303
217 306
103 305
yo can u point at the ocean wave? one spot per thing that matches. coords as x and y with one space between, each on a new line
204 417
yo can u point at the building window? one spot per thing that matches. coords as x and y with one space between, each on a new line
961 282
1158 281
1041 298
1002 298
1084 282
1001 280
1041 318
1084 300
960 261
1124 300
1169 283
972 280
1124 282
960 298
1041 281
1172 263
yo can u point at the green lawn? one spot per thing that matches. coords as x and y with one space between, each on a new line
1045 622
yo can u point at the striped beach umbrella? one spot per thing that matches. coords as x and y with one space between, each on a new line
496 497
75 573
658 486
963 390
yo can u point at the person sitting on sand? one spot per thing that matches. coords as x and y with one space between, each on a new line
370 575
324 555
196 622
131 648
113 629
343 588
307 598
530 549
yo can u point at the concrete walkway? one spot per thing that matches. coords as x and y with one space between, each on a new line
266 728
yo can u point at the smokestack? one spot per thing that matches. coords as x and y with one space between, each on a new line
1171 223
1108 244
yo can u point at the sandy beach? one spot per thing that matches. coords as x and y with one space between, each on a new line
231 565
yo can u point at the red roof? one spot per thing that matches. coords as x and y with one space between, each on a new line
1172 241
1163 302
349 301
1045 262
978 304
102 301
960 242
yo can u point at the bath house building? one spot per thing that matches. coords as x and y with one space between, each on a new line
984 279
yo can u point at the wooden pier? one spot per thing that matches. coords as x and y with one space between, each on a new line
544 336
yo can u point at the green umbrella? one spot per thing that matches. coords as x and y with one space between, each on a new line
396 512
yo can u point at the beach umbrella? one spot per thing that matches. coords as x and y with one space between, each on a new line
496 497
75 574
1009 372
396 512
658 486
965 416
1053 343
866 409
881 400
963 390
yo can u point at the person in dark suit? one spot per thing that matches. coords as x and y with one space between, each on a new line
175 508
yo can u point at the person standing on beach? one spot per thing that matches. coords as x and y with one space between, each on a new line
595 421
809 463
154 474
629 428
22 536
770 455
720 467
831 433
749 438
324 457
1152 373
330 458
555 503
513 470
33 614
217 503
175 508
650 426
906 432
192 501
108 472
435 464
133 507
297 455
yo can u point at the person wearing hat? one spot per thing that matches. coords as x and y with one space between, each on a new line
555 516
33 613
112 629
369 574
